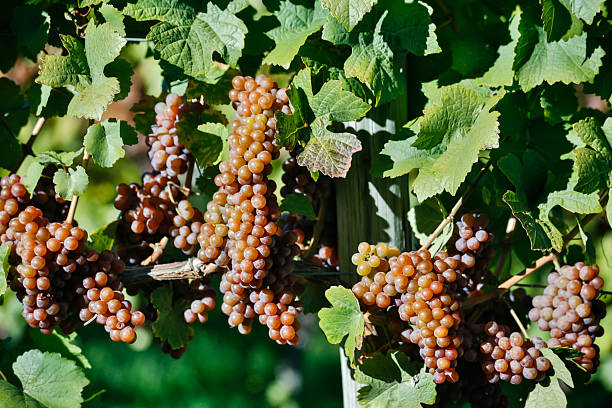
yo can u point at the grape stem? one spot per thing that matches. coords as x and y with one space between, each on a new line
455 208
517 320
507 247
316 234
158 250
75 198
448 14
3 376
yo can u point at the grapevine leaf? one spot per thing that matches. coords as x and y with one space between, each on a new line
571 201
93 100
559 103
170 324
342 319
104 238
57 342
609 209
548 393
532 226
73 182
57 71
328 152
11 96
113 17
292 128
5 252
214 87
589 248
104 141
298 204
584 9
424 218
122 70
50 379
188 39
297 23
43 102
30 24
591 134
58 158
30 171
502 73
13 397
203 140
409 26
452 133
559 61
406 157
373 64
555 19
334 104
348 12
145 114
393 380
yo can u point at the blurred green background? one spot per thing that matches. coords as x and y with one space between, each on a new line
221 368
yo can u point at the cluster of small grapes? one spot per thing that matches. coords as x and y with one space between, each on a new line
568 308
471 242
240 229
14 198
203 301
52 262
101 297
421 287
509 357
167 154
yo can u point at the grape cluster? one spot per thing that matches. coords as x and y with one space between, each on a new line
168 156
203 301
101 297
568 308
470 244
14 198
185 227
422 288
509 357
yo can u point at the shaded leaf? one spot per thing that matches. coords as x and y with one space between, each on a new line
298 204
170 324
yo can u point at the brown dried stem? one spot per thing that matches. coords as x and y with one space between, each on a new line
192 268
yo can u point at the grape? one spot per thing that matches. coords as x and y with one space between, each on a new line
568 308
511 355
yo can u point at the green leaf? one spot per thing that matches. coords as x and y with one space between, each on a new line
533 227
502 72
57 71
30 24
170 324
5 252
93 100
334 104
215 87
73 182
452 132
584 9
609 209
589 248
13 397
50 379
328 152
372 62
424 218
291 128
559 103
12 98
203 140
408 27
104 141
297 23
64 159
188 39
122 70
342 319
548 393
348 12
104 238
63 344
556 19
393 380
559 61
298 204
113 17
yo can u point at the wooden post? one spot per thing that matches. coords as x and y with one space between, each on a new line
368 208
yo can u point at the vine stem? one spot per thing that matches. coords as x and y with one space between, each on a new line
517 320
158 250
75 198
455 208
3 376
